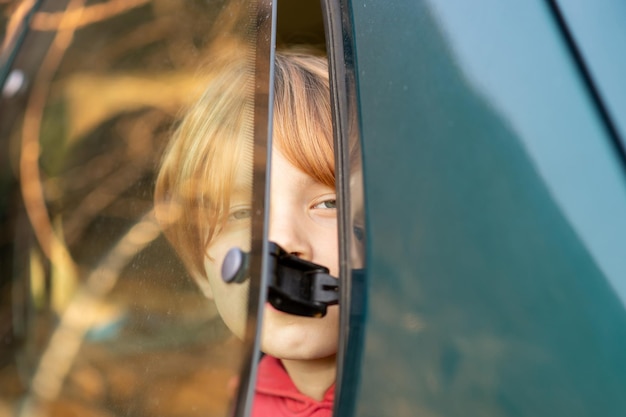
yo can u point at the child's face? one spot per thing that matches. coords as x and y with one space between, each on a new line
303 221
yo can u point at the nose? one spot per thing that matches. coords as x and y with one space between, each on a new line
287 230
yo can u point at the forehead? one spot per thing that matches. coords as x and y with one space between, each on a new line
286 174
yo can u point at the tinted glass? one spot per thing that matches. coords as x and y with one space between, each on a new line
105 304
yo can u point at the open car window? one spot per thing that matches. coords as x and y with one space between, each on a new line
112 210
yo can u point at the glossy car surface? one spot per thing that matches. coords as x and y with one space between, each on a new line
494 203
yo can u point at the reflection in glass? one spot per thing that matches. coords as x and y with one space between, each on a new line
100 315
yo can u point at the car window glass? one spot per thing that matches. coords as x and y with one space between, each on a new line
111 304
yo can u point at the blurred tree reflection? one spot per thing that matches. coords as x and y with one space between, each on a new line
108 323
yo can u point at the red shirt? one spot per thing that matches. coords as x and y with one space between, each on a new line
277 396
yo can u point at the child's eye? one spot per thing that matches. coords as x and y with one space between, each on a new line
326 204
240 213
359 233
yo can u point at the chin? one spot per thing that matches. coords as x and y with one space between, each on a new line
287 336
297 341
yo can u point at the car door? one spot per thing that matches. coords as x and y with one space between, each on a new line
494 200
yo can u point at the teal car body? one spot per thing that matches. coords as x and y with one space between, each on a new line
493 171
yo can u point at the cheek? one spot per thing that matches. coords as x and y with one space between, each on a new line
327 251
220 247
232 305
231 299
